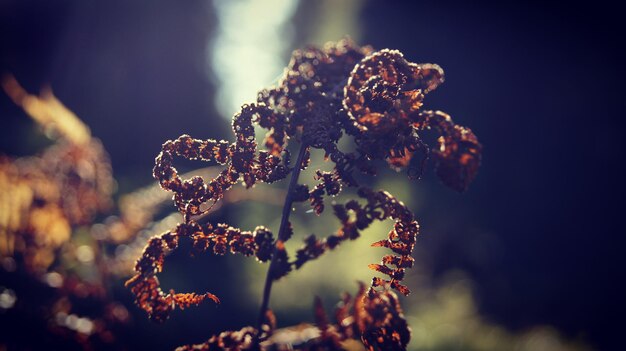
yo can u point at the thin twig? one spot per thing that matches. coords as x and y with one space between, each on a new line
282 233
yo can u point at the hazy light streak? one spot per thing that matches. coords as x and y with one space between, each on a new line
247 52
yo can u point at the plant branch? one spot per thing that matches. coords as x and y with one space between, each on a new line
282 233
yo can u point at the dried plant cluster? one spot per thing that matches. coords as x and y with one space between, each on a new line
44 196
374 97
52 283
58 263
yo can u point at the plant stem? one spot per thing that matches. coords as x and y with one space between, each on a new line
282 233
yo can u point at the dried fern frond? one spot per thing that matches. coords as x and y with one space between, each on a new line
342 89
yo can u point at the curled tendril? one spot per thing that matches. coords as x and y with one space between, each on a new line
218 240
459 153
383 98
355 217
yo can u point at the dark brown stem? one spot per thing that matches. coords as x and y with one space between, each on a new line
282 233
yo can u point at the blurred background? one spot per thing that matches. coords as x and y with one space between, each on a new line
529 258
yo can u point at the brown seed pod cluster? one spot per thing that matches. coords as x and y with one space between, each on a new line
307 101
382 325
458 157
342 89
374 317
383 98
